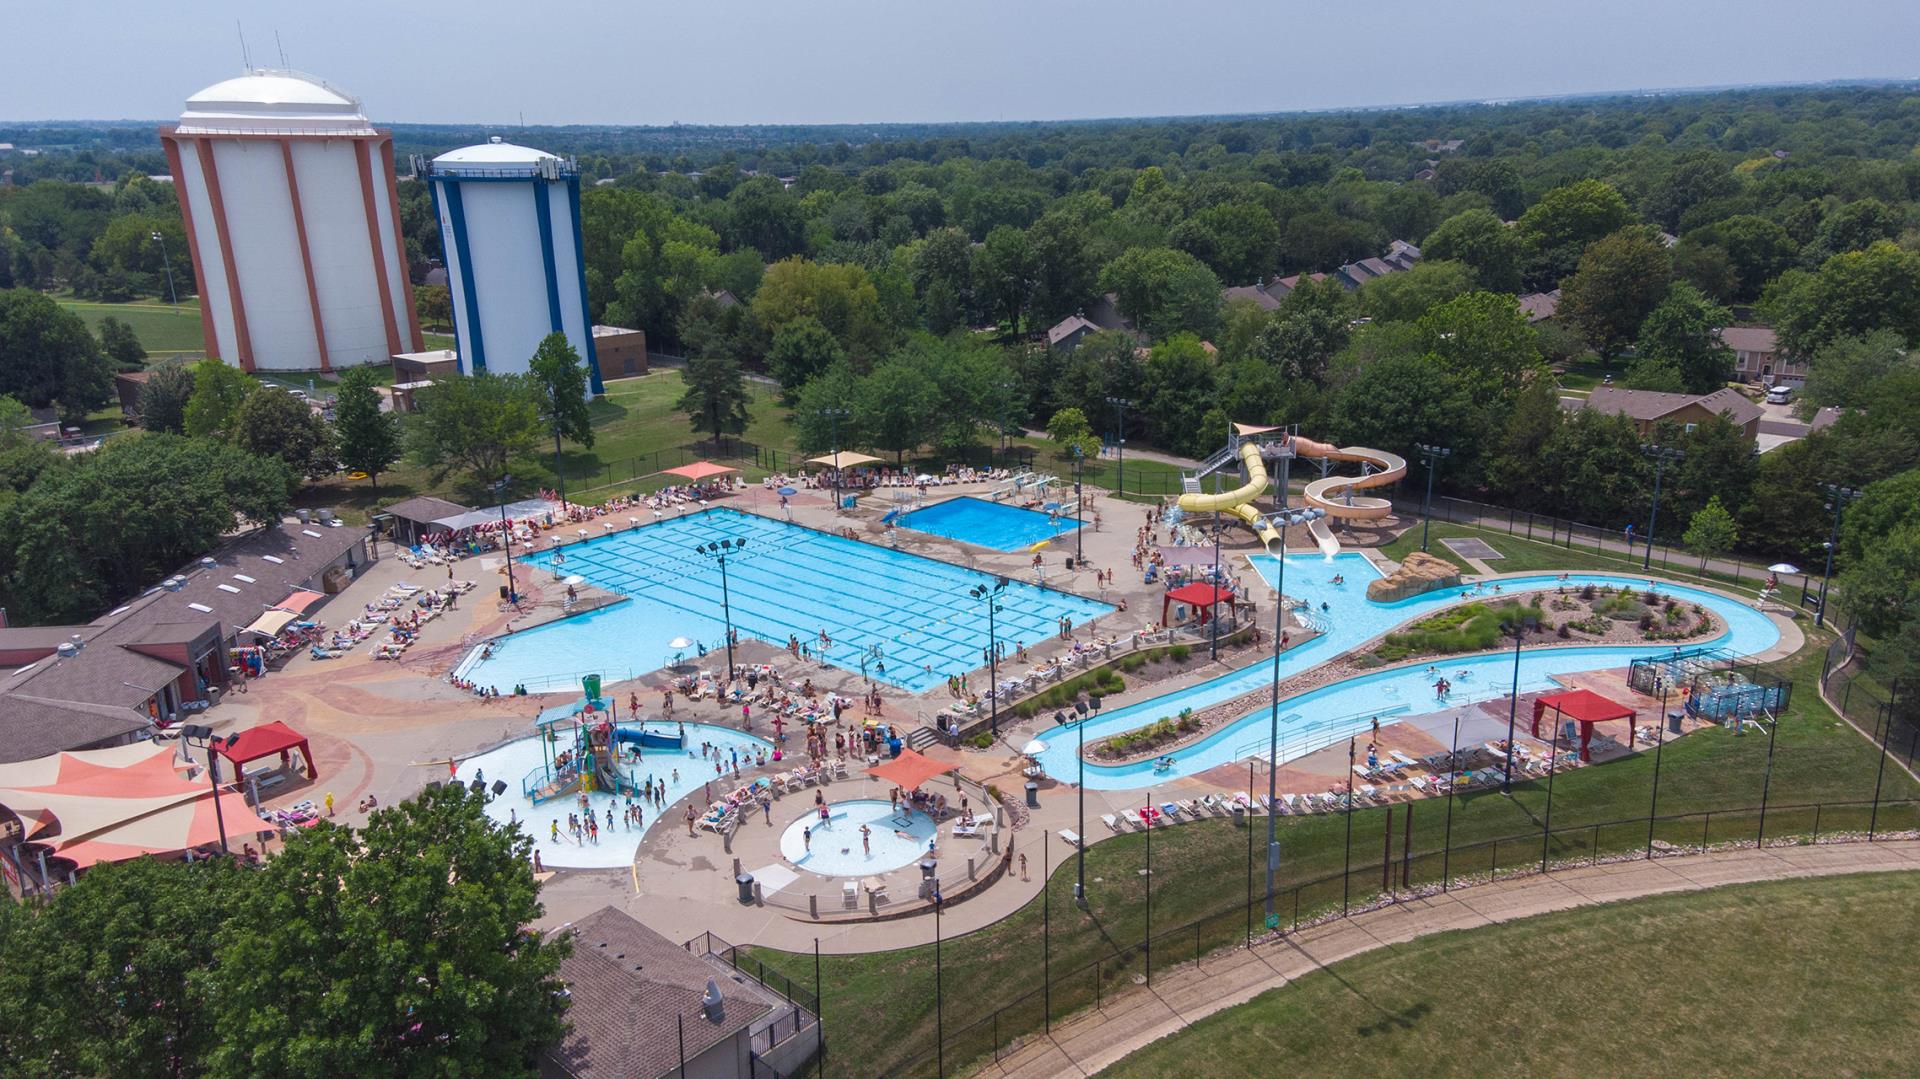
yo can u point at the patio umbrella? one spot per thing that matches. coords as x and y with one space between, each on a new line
576 579
1783 567
788 491
1033 748
679 643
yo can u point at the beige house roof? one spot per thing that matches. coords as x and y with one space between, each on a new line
1650 405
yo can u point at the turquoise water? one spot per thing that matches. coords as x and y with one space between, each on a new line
617 844
908 618
988 524
897 838
1332 713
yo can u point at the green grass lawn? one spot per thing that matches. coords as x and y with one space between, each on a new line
162 329
1152 478
1522 555
1798 977
880 1009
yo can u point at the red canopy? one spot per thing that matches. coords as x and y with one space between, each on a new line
910 769
699 470
1198 594
1585 707
266 740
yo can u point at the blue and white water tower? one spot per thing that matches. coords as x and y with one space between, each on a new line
510 226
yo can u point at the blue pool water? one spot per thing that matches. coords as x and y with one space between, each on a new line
893 610
514 760
1331 713
988 524
897 838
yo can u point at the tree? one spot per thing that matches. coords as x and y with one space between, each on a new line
1495 252
802 350
1756 248
815 427
163 398
1592 470
1622 277
1069 428
274 423
1696 178
1853 293
715 399
121 344
1003 271
841 297
1565 222
1854 227
1177 390
1404 297
1164 291
217 393
475 423
895 407
1657 375
1063 265
1711 531
1684 331
1484 338
403 948
1847 370
1240 241
47 357
368 440
1403 399
433 305
560 381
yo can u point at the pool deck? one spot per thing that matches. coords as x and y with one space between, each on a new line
387 728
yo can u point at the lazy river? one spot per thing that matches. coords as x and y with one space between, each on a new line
1334 712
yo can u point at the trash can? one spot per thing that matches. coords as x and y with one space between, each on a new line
1673 721
1033 795
1069 561
1239 814
745 883
503 592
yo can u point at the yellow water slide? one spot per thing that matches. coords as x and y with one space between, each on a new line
1238 502
1334 494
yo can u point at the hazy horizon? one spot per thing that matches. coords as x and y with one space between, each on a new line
871 61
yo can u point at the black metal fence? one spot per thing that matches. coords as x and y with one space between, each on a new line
1406 857
1885 712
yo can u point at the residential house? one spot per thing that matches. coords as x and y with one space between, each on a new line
1648 409
1102 314
643 1007
1540 306
1757 358
1255 294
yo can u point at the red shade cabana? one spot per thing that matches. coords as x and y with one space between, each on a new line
1583 706
266 740
910 769
1199 594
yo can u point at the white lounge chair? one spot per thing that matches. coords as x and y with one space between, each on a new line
1072 837
1112 821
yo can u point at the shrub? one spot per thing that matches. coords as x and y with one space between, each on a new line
983 740
1646 622
1587 591
1179 653
1564 632
1651 598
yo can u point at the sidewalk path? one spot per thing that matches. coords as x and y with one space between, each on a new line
1127 1021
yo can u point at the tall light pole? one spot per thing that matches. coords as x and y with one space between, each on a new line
1120 406
166 261
1837 499
1078 505
1080 728
1284 518
835 415
717 552
201 737
991 594
1661 455
1433 455
506 534
1518 628
1006 428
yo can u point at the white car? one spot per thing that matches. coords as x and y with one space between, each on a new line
1779 395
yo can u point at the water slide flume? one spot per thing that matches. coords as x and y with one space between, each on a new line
1334 494
1239 501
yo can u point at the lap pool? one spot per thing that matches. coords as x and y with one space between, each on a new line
989 524
906 620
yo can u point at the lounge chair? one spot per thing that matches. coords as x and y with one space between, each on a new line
1111 821
1072 837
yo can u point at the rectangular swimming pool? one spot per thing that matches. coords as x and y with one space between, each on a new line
989 524
906 618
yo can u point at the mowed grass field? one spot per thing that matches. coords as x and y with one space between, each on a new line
1803 977
162 328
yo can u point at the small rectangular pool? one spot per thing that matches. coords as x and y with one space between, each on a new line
988 524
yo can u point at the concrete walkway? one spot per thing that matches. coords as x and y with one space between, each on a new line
1129 1020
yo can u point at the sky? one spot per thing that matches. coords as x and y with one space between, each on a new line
832 61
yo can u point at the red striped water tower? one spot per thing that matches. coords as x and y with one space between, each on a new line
287 192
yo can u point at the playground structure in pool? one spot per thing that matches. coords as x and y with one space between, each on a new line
1253 446
590 758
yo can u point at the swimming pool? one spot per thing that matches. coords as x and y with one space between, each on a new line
906 620
988 524
834 849
683 773
1332 713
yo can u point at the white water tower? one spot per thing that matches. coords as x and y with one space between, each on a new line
287 193
510 226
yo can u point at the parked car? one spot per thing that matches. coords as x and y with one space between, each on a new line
1779 395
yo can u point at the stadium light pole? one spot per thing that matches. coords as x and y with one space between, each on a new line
991 595
1120 406
506 535
1079 506
1661 455
834 416
201 737
1837 498
166 261
1518 628
717 552
1433 455
1284 518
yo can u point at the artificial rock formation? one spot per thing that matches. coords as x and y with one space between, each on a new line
1419 573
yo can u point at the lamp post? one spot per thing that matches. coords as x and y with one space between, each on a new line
1661 455
1213 609
203 738
506 535
1006 427
835 415
1284 518
166 261
1120 406
1518 628
991 594
1080 728
1433 455
1078 505
1838 497
717 552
